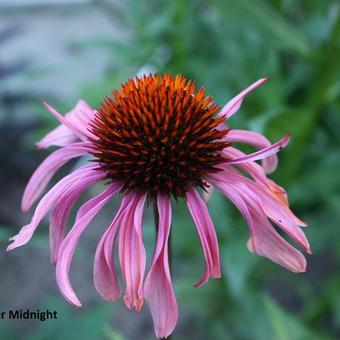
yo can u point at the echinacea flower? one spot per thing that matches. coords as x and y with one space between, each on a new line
155 139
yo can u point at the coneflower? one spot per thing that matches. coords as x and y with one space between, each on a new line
157 138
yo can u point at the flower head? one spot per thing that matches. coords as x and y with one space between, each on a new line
158 134
157 138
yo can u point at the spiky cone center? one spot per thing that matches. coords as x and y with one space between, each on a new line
158 134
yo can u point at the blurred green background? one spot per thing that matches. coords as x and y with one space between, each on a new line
61 51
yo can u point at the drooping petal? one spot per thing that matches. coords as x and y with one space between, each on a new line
272 205
62 209
251 199
158 290
70 242
235 103
265 241
261 154
47 169
64 187
104 273
258 174
206 232
132 254
82 113
255 139
277 213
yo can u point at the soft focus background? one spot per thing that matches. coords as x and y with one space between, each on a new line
60 51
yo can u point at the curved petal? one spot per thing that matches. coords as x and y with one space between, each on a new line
264 153
265 241
75 181
77 125
62 135
258 174
132 254
255 139
47 169
62 210
158 290
206 232
232 183
70 242
104 273
234 104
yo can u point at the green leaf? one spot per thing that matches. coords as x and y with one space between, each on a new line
72 324
285 326
237 264
264 16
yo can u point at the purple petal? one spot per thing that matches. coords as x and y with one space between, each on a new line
234 104
265 241
206 232
242 136
208 193
62 209
132 253
70 242
158 290
47 169
78 125
62 135
258 174
264 153
66 186
104 271
255 203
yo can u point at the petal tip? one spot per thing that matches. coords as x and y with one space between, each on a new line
9 247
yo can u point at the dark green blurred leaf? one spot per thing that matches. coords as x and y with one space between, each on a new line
285 326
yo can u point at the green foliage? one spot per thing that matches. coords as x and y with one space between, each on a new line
226 45
86 324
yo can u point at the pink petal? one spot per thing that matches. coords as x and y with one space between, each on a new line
132 253
234 104
233 184
78 125
158 290
207 194
271 205
206 232
62 135
265 241
47 169
264 153
258 174
58 223
242 136
279 214
64 187
62 210
70 242
104 271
